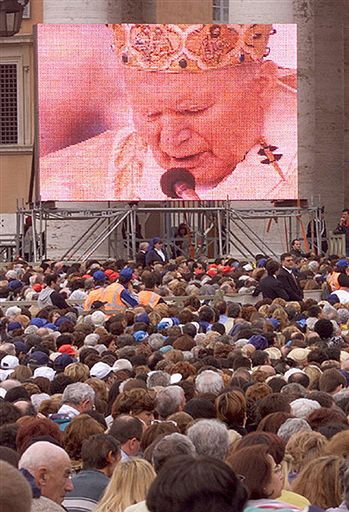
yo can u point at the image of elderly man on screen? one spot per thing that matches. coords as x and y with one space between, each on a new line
211 117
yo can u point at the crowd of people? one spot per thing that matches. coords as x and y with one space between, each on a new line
148 386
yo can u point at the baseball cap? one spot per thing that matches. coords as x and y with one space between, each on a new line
62 361
100 370
20 347
61 320
126 273
142 317
9 362
38 358
140 336
99 275
44 371
38 322
292 371
122 364
67 349
51 326
342 263
14 325
14 285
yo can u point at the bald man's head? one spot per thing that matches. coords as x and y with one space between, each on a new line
50 466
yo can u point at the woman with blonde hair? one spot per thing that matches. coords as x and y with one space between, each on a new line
319 482
79 372
302 447
128 485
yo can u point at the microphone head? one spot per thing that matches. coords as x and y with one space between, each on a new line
173 176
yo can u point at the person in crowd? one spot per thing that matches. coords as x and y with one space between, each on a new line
15 492
96 294
343 228
77 398
264 479
127 430
270 285
319 481
288 279
148 297
296 250
188 484
80 428
156 252
224 375
210 437
341 295
128 485
100 454
48 469
50 296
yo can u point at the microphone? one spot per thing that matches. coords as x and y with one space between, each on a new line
179 184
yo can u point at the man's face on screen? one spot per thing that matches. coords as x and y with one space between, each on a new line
204 122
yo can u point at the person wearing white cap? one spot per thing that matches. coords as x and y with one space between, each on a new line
44 371
122 364
8 364
103 372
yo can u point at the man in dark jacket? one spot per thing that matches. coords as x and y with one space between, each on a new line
100 453
288 279
270 286
343 228
156 252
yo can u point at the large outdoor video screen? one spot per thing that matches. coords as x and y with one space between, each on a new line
151 112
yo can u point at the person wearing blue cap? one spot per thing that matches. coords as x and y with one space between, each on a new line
99 279
120 295
156 252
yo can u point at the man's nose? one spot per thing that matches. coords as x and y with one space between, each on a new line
173 134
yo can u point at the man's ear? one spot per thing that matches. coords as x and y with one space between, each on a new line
113 457
41 477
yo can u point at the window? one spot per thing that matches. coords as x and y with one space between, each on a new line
16 97
8 104
221 11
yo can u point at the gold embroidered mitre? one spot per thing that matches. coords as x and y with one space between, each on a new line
193 48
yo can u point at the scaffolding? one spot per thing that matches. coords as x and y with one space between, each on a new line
217 228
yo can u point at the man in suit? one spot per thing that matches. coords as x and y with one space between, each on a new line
270 286
288 279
